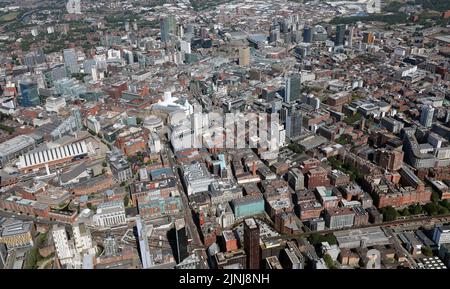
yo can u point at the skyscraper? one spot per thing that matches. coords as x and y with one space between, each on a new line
294 124
307 34
168 25
351 31
426 116
83 239
29 95
63 249
76 114
70 60
182 242
340 35
293 88
274 34
368 38
251 243
244 56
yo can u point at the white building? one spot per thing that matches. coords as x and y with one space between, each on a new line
110 214
93 124
54 104
196 178
185 46
426 116
306 76
154 143
441 235
52 156
83 239
64 249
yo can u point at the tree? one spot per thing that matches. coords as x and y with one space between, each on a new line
432 209
342 140
350 120
443 211
415 209
295 148
445 203
389 214
316 238
427 251
126 200
405 212
41 239
330 238
435 197
329 261
104 164
33 258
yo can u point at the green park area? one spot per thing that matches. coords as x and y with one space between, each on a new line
8 17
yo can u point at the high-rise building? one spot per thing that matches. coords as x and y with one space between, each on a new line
340 35
293 88
441 234
391 159
251 243
34 57
426 116
294 124
83 239
182 242
350 33
63 249
244 56
29 95
55 73
168 25
76 114
320 33
185 46
296 179
190 28
274 34
307 34
368 38
71 60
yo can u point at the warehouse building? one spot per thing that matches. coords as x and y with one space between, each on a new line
52 156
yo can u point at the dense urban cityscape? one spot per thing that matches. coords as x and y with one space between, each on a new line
215 134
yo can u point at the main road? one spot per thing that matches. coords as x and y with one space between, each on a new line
196 240
196 245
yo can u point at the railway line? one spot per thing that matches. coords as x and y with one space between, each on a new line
419 221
